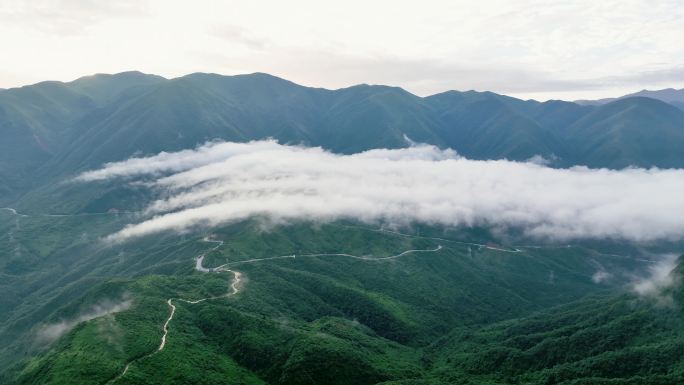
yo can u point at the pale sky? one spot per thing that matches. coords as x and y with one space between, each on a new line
525 48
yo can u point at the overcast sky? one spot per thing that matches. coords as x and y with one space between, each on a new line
525 48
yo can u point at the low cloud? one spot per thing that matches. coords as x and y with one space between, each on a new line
659 279
51 332
542 161
601 276
220 183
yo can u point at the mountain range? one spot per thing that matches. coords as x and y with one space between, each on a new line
52 130
340 303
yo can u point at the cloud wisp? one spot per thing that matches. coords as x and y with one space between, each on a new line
659 279
223 182
51 332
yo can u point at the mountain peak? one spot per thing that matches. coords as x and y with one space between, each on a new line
117 75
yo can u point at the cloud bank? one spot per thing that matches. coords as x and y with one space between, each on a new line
223 182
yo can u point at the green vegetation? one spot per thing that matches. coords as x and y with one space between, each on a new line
593 341
462 314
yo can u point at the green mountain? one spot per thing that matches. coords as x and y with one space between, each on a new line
311 303
52 130
628 129
596 340
491 126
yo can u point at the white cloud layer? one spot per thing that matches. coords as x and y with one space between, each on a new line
220 183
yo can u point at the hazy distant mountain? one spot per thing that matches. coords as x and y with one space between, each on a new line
668 95
51 130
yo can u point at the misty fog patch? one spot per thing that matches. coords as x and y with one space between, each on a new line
49 333
659 280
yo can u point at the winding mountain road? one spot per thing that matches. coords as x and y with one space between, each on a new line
479 245
293 256
234 289
15 212
237 276
367 258
513 249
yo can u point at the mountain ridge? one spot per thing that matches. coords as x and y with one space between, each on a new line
668 95
52 130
